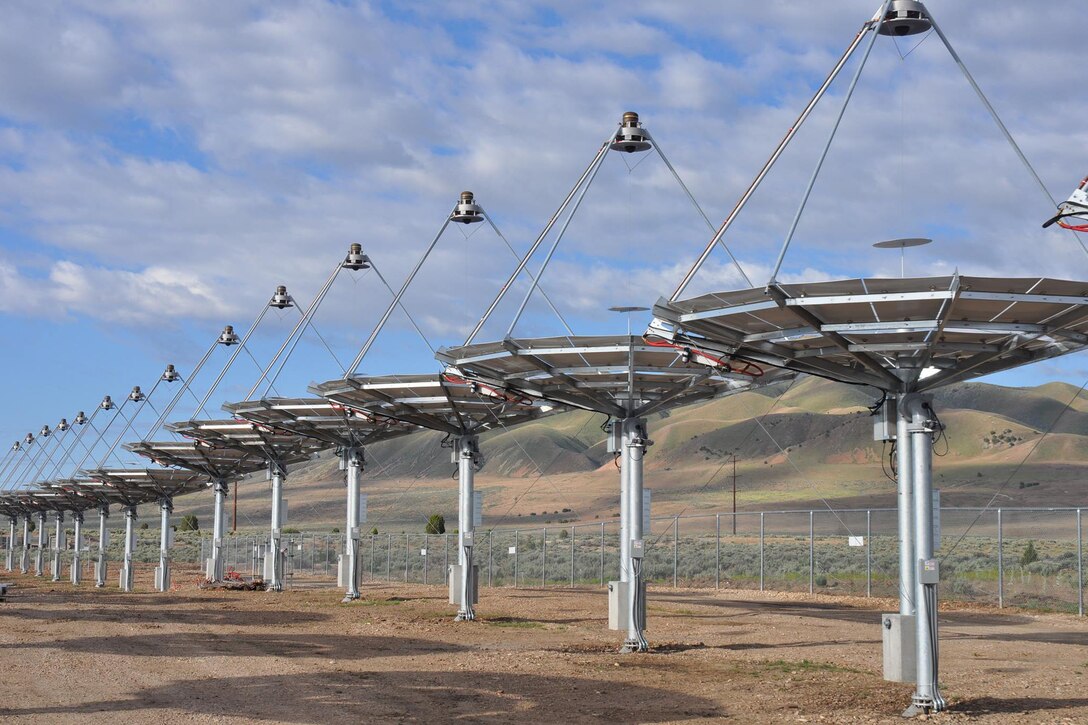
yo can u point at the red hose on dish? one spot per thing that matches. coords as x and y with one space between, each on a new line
746 368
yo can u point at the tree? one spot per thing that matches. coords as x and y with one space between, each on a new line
1030 555
189 522
374 531
436 524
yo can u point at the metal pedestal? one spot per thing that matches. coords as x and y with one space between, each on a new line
923 424
10 563
905 502
274 563
162 574
103 545
130 544
39 556
59 545
467 455
353 463
24 559
76 573
634 444
215 561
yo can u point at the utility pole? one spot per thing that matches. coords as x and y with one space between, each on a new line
234 518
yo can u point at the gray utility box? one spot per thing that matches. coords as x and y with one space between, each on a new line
618 607
899 653
455 584
343 572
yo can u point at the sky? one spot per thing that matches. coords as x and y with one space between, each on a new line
163 166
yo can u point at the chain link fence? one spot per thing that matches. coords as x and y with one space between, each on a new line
1024 557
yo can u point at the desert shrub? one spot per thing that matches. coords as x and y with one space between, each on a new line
189 522
436 524
1030 555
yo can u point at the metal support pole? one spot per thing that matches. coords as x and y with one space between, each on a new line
388 557
353 462
490 557
39 557
811 552
426 557
926 696
904 471
166 507
1000 562
130 545
58 545
467 456
407 546
760 551
11 544
625 510
103 545
76 572
634 447
516 552
275 583
868 553
215 569
24 563
718 549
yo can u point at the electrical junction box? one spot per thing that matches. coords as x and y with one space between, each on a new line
929 571
455 584
615 437
468 538
638 548
885 420
899 653
619 606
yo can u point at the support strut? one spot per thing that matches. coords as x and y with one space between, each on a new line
468 452
215 562
353 463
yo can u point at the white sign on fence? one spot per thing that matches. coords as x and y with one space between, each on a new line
856 540
423 552
512 550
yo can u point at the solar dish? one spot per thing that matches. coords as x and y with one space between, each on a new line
618 375
444 402
895 334
321 420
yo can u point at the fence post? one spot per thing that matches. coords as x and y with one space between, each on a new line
544 560
388 555
407 546
426 559
517 547
811 552
675 546
1080 568
1000 563
445 558
490 557
868 553
373 546
573 535
760 551
602 553
717 550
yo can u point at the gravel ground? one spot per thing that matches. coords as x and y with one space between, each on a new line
91 655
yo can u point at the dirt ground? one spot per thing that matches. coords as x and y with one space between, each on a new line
91 655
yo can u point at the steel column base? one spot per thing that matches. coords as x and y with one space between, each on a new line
634 645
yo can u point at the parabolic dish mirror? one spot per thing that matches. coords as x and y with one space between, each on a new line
325 421
618 375
242 435
439 401
214 461
895 334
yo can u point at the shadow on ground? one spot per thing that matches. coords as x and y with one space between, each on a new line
381 696
203 644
